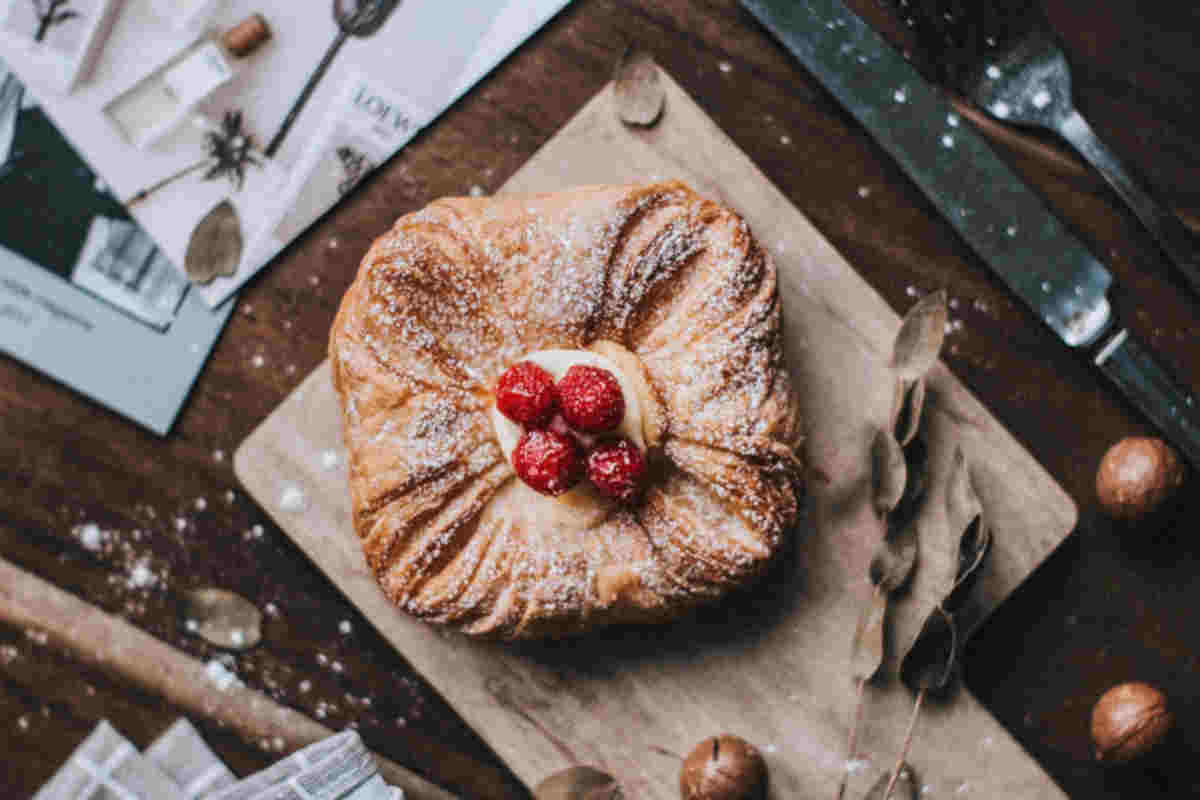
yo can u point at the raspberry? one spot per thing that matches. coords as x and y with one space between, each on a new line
525 394
591 399
548 461
617 468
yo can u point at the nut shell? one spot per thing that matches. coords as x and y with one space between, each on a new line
1137 477
724 767
1128 721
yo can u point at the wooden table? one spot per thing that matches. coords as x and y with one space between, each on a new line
1106 608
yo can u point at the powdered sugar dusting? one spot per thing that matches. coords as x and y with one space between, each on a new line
293 499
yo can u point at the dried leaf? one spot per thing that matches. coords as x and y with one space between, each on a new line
215 247
920 337
932 658
637 88
965 514
905 788
222 618
889 472
894 559
578 783
909 403
866 653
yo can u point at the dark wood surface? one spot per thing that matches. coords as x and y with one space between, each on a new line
1109 606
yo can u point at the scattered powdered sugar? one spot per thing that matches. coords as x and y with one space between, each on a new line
218 455
912 291
8 654
478 191
201 504
304 686
180 524
141 576
864 191
963 788
344 627
856 765
725 67
293 499
771 749
23 722
36 636
221 676
230 496
258 360
90 536
785 139
330 459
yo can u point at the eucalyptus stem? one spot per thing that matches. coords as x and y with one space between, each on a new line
852 741
908 740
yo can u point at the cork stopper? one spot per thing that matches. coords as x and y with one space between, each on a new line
244 38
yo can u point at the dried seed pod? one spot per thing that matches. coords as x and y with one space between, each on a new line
578 783
964 513
895 558
931 661
916 485
920 338
905 788
724 767
866 649
637 88
907 408
889 472
215 247
223 618
1128 721
1138 477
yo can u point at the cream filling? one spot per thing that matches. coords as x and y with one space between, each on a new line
557 362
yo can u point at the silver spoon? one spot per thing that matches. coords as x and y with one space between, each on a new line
358 18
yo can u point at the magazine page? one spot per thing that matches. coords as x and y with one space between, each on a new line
227 127
87 296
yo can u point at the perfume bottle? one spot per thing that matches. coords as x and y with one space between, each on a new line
157 104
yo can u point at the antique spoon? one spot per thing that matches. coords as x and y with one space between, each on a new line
359 18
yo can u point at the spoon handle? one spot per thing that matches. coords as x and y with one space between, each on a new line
306 93
1175 239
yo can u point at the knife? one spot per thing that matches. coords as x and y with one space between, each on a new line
990 207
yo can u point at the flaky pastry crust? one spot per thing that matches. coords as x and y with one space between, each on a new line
454 294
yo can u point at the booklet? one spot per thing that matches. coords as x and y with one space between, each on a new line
86 296
227 127
218 131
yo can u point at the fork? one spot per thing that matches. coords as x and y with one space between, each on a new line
1024 78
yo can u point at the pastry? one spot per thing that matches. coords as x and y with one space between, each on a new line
687 496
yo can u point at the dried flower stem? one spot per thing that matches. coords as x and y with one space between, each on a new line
908 740
149 190
852 741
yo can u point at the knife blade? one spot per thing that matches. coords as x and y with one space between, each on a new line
1000 217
